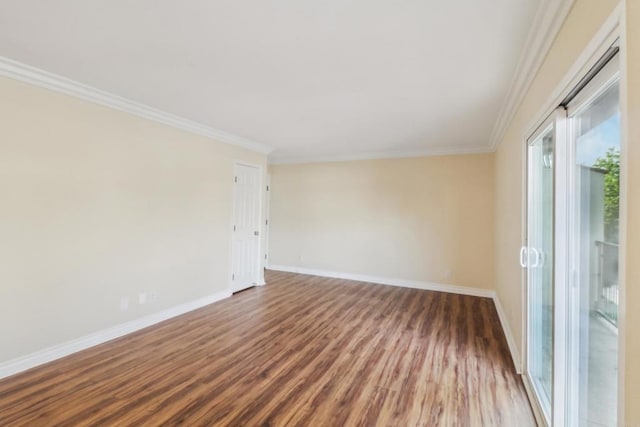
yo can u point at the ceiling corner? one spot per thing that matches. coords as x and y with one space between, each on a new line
546 25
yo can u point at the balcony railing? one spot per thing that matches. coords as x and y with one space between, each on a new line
607 295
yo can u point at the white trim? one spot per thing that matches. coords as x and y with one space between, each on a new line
535 406
592 53
266 219
49 354
28 74
511 341
546 25
606 77
274 159
414 284
548 125
561 251
623 331
524 217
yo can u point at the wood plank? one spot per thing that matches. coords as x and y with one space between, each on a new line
302 350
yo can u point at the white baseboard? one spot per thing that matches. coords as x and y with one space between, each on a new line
32 360
429 286
415 284
538 414
511 342
49 354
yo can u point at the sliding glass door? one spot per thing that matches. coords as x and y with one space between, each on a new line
595 137
571 256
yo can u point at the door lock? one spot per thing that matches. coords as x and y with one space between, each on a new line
256 233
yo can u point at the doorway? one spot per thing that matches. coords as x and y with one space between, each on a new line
571 255
245 253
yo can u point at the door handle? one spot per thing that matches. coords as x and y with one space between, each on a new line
523 257
536 257
256 233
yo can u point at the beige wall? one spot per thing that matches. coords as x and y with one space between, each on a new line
413 219
97 204
584 20
631 188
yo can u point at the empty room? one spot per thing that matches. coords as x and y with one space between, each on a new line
320 213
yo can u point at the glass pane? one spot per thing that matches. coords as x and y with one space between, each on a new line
595 298
540 271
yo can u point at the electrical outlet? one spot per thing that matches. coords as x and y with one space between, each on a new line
448 274
142 298
153 297
124 303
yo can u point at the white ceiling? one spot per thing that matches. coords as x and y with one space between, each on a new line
313 79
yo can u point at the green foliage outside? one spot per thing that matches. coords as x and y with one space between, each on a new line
611 163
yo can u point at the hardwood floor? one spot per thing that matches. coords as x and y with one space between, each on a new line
302 350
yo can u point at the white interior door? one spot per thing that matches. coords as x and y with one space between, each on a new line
246 228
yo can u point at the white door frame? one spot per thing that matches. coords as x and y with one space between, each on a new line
562 191
260 279
596 48
267 220
557 122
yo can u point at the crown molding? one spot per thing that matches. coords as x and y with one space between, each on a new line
274 159
549 18
35 76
